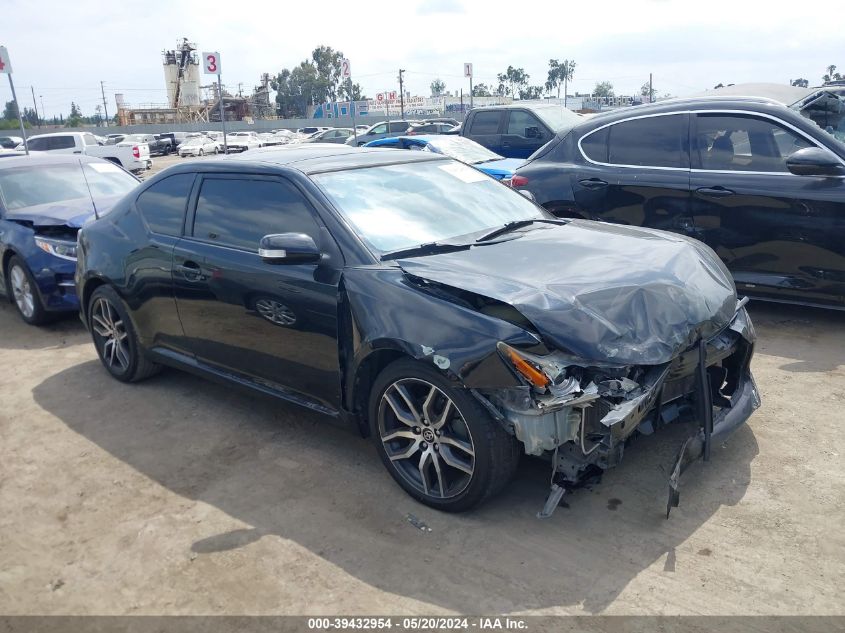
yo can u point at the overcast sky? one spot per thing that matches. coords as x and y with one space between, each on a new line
64 49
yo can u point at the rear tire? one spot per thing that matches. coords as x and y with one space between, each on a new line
436 440
115 338
22 289
200 153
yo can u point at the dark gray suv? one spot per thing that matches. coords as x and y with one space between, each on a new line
384 129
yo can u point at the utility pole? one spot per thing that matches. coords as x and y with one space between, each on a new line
37 118
43 111
401 94
650 90
105 107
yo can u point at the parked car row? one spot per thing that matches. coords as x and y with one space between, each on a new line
406 292
131 154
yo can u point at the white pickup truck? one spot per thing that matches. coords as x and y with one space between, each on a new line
134 157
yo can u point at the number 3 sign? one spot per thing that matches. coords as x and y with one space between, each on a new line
211 62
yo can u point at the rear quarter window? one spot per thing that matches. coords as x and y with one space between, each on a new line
163 204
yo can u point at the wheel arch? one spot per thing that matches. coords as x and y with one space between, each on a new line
361 381
8 254
88 288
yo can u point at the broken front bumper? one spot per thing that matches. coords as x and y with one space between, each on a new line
710 382
745 401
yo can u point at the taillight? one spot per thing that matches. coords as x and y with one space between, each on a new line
410 133
136 152
518 181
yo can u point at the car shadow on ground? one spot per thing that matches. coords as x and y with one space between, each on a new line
811 338
64 329
288 472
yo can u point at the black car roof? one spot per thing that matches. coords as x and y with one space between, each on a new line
691 103
316 158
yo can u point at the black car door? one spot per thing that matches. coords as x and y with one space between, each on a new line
636 171
485 127
161 207
524 134
780 234
272 324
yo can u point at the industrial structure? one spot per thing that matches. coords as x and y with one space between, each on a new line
189 101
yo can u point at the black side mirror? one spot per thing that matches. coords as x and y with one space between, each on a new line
288 248
815 161
533 132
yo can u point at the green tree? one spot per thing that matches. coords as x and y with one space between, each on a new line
603 89
357 93
481 90
511 81
801 83
831 75
29 116
10 112
648 90
531 92
75 117
327 62
560 73
438 87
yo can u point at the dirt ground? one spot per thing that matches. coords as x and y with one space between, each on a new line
177 496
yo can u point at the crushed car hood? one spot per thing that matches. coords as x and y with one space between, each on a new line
72 213
600 292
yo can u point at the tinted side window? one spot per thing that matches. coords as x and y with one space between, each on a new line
398 126
485 123
519 123
163 205
650 142
595 145
62 142
239 213
744 143
39 144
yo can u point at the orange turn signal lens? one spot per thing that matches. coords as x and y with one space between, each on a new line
526 369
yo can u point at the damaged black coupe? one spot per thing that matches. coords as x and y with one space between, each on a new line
447 315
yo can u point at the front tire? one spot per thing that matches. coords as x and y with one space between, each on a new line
201 153
23 290
435 439
115 338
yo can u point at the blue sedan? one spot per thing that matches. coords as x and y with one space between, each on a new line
459 148
44 200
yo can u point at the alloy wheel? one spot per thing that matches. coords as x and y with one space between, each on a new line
426 438
114 339
276 312
22 291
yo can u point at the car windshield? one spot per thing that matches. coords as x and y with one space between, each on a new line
134 138
462 149
559 119
826 110
34 185
399 206
194 141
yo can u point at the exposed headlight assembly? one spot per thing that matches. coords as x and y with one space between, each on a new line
64 249
542 372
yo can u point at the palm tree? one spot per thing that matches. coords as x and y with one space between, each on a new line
566 71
